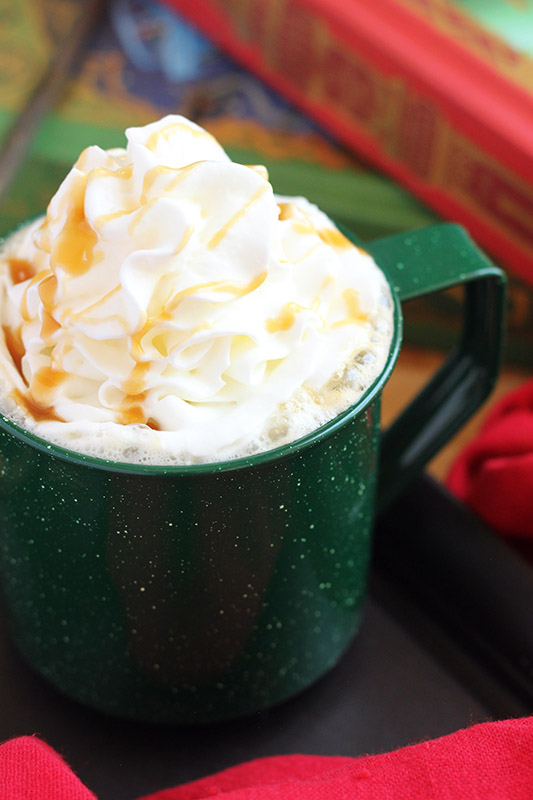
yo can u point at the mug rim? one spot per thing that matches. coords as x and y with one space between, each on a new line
242 462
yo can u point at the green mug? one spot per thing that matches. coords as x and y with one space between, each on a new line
200 593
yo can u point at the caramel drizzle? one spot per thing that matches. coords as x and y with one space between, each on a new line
134 383
131 411
260 170
150 178
222 232
180 173
103 219
355 315
165 133
285 319
73 250
148 181
49 325
45 241
287 211
44 273
124 173
306 254
20 269
330 236
335 238
159 343
35 410
44 382
15 346
74 315
287 316
215 286
37 401
142 211
47 291
167 312
136 348
184 239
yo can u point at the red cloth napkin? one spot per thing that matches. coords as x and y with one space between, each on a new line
491 761
494 473
31 770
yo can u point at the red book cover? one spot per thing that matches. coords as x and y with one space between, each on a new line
450 116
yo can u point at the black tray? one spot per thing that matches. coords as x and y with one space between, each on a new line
446 641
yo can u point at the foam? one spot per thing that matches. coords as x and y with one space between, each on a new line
306 410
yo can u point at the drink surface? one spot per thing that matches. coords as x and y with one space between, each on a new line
171 309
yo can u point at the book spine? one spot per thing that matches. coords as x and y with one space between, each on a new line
455 23
390 87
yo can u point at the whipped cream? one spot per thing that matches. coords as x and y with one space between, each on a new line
171 308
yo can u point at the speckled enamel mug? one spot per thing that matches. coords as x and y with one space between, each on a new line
208 592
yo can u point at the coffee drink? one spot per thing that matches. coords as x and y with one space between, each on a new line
171 309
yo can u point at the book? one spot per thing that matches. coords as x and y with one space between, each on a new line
422 88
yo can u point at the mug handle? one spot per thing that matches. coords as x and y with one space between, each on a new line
417 263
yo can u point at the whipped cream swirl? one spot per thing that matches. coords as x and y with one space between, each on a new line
168 288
